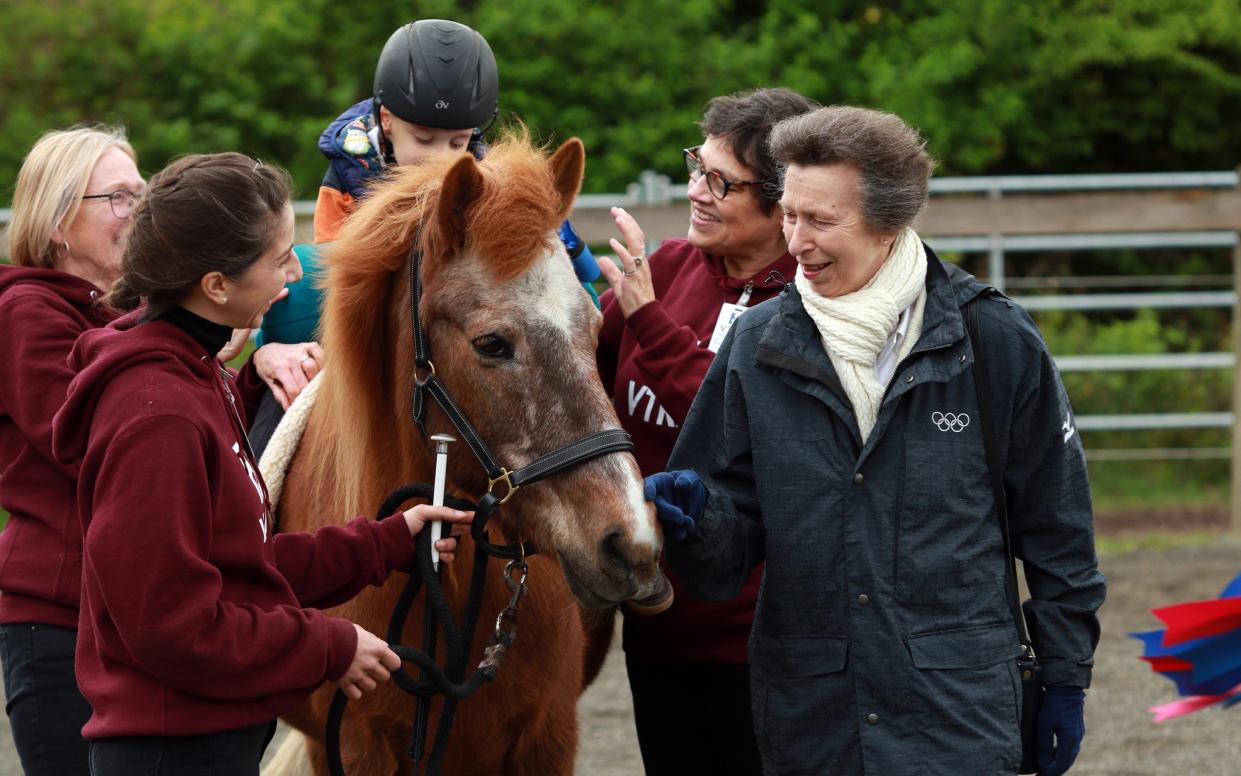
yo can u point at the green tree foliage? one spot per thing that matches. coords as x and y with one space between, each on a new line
998 86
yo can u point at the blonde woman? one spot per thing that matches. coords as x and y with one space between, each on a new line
71 210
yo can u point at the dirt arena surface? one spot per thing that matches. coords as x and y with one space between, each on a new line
1120 740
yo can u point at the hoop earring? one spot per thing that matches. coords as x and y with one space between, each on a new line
65 255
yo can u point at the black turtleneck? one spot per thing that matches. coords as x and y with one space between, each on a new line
212 336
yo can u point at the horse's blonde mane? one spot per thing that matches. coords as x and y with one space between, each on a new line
366 441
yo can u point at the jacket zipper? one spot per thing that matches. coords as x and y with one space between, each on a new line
901 363
245 439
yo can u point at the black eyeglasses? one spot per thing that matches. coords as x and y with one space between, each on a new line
717 184
121 200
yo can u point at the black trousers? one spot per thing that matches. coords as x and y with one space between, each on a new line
230 753
693 718
46 710
266 418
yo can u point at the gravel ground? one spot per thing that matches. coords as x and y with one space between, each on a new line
1121 740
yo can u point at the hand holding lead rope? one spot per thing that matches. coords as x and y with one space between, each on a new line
437 494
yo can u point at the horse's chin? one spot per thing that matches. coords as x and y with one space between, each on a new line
587 596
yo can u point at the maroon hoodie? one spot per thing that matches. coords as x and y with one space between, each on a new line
42 312
194 616
653 363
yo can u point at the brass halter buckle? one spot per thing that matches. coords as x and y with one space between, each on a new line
504 478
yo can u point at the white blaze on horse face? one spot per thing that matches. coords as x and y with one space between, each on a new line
643 523
562 303
557 294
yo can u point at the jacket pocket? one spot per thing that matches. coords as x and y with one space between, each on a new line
803 703
974 647
799 657
966 690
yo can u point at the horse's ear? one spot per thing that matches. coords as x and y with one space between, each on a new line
567 166
461 187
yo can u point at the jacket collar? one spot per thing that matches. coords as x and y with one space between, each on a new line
792 334
790 345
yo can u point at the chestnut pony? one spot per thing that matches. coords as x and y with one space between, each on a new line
512 337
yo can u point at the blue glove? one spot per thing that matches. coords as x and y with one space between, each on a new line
1061 728
679 498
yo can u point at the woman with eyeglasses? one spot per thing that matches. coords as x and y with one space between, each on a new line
71 210
664 318
71 216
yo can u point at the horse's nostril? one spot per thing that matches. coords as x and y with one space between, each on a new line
611 548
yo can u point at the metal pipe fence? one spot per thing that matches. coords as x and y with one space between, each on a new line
1013 214
1062 229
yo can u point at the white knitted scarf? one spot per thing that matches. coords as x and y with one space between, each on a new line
855 327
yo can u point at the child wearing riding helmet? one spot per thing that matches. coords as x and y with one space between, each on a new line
436 90
199 624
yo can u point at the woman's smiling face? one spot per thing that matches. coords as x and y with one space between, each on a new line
836 250
736 225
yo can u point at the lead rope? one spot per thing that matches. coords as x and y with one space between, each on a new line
449 680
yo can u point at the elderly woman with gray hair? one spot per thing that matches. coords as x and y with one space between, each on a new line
838 438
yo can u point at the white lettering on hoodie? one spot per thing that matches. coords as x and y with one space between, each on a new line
254 480
662 418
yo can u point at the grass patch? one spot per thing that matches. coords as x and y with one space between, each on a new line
1118 486
1155 541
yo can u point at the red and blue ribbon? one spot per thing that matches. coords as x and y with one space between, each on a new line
1199 651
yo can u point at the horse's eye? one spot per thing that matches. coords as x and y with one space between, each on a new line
493 346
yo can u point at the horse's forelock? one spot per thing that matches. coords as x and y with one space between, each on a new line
508 226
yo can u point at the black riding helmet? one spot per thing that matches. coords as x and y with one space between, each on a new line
440 74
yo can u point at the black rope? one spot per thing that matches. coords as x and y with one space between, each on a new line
449 680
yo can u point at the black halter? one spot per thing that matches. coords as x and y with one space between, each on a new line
451 681
425 382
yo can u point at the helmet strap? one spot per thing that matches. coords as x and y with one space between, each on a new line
385 146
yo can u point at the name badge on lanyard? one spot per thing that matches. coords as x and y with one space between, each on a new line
728 314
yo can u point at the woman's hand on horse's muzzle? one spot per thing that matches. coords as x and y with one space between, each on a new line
422 514
680 498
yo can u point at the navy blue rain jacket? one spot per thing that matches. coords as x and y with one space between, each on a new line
883 641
